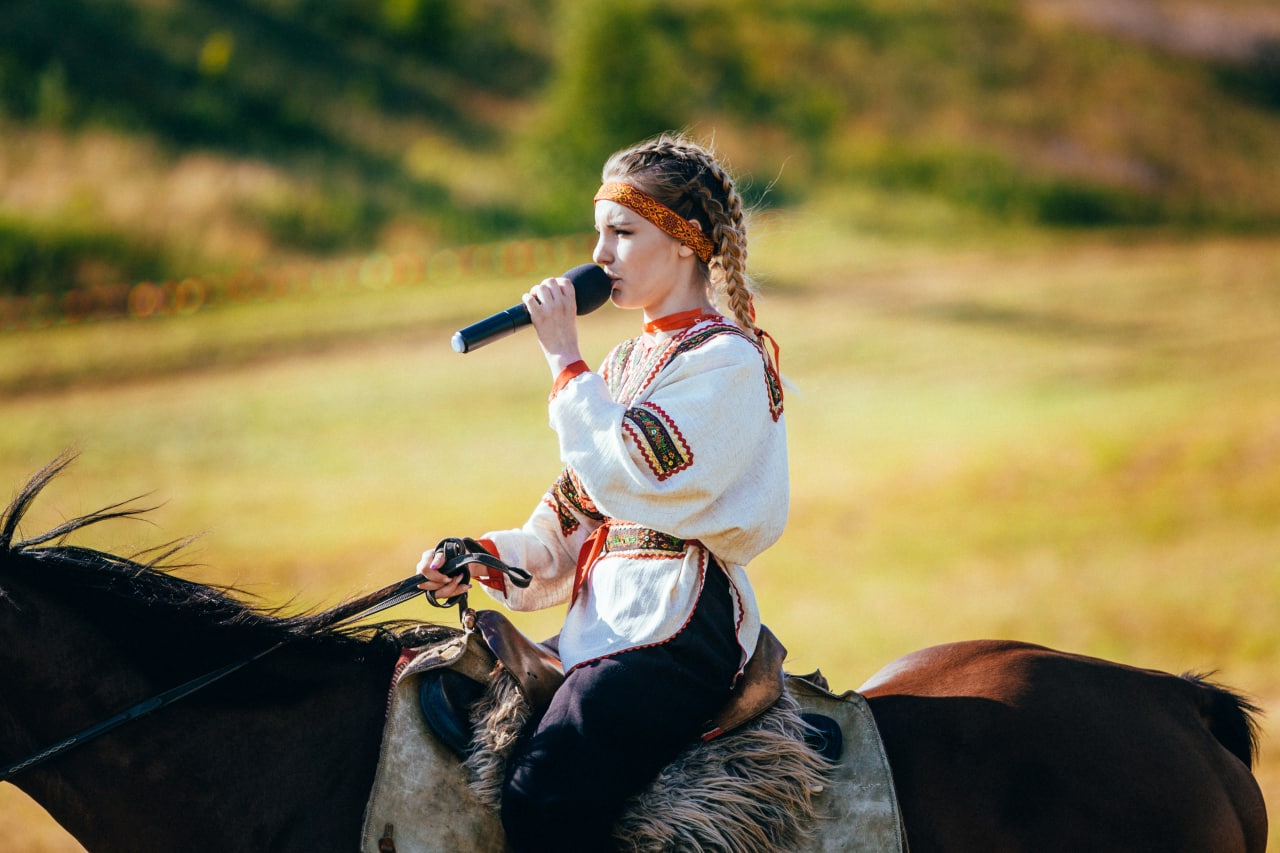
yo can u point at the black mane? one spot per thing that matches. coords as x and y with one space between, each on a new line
146 594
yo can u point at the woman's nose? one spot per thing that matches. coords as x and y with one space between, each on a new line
601 253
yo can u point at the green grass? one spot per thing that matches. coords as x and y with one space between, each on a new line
1073 440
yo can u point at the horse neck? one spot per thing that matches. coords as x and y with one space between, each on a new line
279 756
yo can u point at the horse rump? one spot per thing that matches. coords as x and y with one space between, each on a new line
1231 718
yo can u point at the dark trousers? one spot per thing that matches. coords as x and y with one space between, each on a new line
613 725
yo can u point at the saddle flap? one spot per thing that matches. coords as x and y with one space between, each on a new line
463 653
538 672
759 687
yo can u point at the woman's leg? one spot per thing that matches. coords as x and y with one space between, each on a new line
613 725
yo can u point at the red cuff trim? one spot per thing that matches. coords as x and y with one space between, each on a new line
492 579
567 375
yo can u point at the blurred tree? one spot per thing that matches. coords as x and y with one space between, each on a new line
620 77
430 23
215 53
54 106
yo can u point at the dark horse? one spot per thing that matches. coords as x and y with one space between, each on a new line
994 746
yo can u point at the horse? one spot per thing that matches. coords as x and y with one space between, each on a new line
993 745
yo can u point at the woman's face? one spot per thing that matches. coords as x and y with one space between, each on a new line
651 270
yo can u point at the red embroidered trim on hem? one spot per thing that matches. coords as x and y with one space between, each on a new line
702 582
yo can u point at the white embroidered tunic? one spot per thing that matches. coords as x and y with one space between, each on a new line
675 454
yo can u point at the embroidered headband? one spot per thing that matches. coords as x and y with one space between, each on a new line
660 215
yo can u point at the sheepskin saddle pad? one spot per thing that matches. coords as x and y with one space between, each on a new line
762 787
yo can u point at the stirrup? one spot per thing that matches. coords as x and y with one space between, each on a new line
446 696
490 643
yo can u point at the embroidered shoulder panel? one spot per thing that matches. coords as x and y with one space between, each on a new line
566 497
660 441
703 332
632 368
773 382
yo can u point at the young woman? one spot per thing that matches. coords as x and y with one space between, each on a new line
675 478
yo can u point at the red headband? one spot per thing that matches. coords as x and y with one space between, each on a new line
660 215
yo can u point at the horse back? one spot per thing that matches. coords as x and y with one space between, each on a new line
997 745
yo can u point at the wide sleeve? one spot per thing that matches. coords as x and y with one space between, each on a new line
547 546
700 454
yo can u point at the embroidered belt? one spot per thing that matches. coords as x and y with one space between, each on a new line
620 537
632 538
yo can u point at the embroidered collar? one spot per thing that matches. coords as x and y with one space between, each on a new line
679 321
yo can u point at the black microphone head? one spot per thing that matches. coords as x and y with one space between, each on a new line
591 287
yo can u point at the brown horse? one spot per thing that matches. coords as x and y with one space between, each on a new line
1003 746
994 746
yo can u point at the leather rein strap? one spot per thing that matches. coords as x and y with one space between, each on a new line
459 557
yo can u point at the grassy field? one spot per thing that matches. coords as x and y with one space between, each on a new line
1072 440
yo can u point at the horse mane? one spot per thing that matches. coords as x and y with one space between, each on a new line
146 580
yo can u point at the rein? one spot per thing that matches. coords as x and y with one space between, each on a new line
388 597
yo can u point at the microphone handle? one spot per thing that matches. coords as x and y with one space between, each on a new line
490 329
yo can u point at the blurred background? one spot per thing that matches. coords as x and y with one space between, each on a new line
1021 256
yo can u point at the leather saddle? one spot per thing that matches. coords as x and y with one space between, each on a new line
447 694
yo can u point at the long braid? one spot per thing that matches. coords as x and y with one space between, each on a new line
729 264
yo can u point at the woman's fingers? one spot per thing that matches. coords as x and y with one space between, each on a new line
553 309
435 581
551 296
442 586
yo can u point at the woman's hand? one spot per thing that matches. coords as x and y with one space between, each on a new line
434 581
553 308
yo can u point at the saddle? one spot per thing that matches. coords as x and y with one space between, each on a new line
775 774
785 764
448 693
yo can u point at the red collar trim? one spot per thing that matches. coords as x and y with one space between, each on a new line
679 321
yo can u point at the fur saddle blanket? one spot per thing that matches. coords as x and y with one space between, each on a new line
758 788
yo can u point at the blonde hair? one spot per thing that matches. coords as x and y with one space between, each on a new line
685 177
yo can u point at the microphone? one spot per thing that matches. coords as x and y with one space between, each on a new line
591 289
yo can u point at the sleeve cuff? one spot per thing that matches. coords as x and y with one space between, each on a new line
567 375
492 579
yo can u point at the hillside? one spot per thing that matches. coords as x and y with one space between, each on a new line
146 139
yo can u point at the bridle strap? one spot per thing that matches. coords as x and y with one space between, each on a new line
141 709
388 597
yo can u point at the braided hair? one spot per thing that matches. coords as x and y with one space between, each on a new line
685 177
